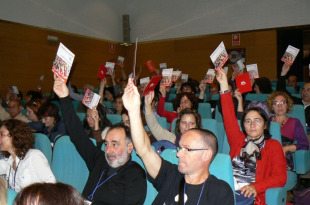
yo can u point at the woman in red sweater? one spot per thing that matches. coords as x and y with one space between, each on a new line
258 161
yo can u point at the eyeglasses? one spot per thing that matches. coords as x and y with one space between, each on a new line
276 103
255 121
186 149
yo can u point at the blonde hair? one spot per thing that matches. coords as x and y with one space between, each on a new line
3 191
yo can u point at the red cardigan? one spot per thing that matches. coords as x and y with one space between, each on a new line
271 169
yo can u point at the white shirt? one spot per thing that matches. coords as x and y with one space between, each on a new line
33 168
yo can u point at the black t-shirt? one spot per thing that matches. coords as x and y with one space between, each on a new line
168 180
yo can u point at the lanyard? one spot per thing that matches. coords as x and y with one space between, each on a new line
199 194
90 197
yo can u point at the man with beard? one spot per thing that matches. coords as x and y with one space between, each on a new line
189 182
113 177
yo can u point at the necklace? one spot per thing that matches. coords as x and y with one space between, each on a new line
90 197
14 177
283 121
199 194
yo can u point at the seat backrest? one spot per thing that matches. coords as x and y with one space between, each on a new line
108 104
256 97
173 90
169 106
151 191
43 144
204 109
67 164
81 115
163 122
114 118
172 96
75 104
299 113
11 196
215 97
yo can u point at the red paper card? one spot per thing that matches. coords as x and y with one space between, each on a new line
102 72
243 83
152 85
150 66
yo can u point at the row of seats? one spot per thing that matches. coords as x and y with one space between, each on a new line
68 167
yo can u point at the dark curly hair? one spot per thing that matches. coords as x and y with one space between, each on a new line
48 109
263 114
49 194
22 138
263 84
190 96
187 111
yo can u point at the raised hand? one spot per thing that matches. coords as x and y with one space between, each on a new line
60 87
162 89
285 68
238 95
222 79
131 97
148 102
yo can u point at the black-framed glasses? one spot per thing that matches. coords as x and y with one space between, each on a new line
186 149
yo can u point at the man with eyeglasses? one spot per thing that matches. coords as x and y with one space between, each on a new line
190 182
14 111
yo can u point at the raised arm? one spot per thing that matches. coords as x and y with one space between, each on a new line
157 130
150 158
101 90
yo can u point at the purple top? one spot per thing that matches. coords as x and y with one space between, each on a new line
294 130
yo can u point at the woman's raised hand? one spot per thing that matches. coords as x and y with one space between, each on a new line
60 87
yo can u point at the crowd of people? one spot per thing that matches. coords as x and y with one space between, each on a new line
259 162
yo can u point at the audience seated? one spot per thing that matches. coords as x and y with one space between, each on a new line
54 125
183 100
258 161
11 95
186 120
96 124
49 194
14 111
190 182
23 165
305 93
279 103
113 177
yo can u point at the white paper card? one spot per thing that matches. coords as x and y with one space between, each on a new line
63 62
91 99
210 75
290 55
219 56
167 77
253 70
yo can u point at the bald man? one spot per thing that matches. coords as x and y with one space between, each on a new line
14 111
